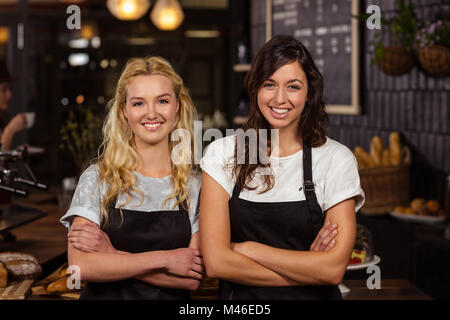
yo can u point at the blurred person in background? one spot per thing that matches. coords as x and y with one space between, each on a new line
18 122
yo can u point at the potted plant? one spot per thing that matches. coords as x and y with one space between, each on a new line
80 136
433 48
397 58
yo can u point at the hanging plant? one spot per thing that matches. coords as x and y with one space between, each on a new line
395 58
433 48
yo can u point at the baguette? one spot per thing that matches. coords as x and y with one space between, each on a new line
364 159
395 149
376 149
385 158
407 155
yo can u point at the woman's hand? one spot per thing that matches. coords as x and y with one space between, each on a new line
89 237
185 262
325 238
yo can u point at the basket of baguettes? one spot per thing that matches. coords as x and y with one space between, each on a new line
384 174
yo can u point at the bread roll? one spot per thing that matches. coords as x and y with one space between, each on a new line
385 158
364 159
376 148
3 276
395 149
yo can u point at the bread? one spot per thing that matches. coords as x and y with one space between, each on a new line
20 266
395 149
11 256
364 159
419 205
3 276
376 149
407 155
385 158
60 286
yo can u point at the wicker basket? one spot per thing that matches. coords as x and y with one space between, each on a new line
396 61
435 60
384 188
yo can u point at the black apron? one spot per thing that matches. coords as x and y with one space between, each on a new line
141 232
285 225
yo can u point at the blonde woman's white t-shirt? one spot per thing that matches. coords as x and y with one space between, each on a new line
334 169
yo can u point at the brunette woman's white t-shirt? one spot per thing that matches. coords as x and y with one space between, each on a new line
334 169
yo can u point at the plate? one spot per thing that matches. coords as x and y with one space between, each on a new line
416 218
357 266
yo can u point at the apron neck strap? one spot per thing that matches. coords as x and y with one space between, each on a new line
315 211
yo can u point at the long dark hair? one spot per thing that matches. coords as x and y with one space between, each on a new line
273 55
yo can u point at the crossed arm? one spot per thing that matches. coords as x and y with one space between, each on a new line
178 268
256 264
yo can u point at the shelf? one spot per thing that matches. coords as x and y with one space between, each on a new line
242 67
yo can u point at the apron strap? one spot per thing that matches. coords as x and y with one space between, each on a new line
315 212
236 190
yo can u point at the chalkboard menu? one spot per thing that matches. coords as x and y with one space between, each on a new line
331 35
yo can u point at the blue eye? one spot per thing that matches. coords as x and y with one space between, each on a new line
268 85
135 104
163 101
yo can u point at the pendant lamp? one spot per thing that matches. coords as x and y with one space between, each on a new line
128 9
167 14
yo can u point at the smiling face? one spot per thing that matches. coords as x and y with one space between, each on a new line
151 109
282 97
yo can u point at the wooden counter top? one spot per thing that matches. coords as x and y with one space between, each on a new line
45 238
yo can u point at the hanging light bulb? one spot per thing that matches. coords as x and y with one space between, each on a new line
128 9
167 14
4 35
89 30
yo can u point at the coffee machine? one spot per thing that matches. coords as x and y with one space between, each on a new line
11 181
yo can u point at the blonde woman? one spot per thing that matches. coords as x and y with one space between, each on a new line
133 218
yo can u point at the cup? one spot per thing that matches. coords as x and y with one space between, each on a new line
29 119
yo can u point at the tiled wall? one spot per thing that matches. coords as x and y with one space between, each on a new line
416 105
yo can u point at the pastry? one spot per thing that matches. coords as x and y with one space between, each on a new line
3 276
419 205
376 149
433 206
395 150
10 256
399 209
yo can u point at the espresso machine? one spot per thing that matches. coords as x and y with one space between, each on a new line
11 181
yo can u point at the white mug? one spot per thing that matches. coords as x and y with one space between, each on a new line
29 119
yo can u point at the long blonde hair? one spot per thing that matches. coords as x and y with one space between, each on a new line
117 156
